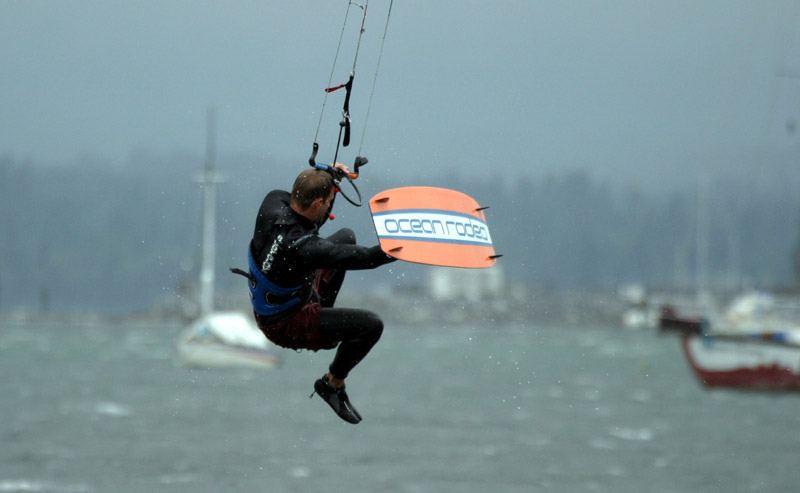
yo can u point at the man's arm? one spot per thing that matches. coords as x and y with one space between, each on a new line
320 253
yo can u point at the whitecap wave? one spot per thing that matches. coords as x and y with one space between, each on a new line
28 485
634 434
113 409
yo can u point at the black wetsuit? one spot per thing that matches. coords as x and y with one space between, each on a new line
287 249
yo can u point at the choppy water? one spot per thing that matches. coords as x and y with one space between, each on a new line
501 409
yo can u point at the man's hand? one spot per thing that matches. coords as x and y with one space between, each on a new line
342 167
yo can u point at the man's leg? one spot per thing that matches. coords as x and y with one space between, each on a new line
358 330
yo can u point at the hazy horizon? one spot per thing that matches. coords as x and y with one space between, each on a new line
635 92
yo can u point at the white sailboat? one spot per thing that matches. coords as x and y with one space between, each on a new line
220 339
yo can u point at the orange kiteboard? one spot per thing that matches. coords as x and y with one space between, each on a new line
434 226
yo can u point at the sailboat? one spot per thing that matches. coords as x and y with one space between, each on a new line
670 319
220 339
755 346
747 349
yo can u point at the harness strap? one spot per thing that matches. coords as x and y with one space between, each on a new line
268 299
242 273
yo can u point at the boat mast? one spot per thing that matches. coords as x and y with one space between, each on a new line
209 181
703 293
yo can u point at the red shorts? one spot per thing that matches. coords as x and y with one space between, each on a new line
300 330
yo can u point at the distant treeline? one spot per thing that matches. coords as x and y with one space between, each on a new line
95 237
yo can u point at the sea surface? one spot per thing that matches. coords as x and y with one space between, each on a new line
106 408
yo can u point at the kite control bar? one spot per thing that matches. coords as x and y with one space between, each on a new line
343 139
339 175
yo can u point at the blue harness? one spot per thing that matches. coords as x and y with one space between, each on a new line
262 289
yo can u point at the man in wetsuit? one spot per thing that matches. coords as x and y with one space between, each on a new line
295 276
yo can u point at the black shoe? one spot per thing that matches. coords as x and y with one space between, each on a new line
337 399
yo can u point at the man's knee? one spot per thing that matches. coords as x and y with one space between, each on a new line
375 326
344 235
349 236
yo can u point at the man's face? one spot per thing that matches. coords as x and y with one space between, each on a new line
324 205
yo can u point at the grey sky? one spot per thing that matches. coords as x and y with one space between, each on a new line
625 88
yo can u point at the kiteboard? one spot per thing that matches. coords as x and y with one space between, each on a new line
434 226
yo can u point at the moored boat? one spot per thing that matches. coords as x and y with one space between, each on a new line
762 361
670 321
226 339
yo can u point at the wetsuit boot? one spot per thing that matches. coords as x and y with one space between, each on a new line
337 399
